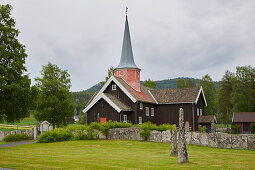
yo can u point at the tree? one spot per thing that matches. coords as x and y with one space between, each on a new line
210 94
54 103
16 96
110 73
150 83
243 92
224 95
190 83
181 83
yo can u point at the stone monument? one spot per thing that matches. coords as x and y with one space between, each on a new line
174 143
182 150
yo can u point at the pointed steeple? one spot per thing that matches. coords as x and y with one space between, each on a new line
127 59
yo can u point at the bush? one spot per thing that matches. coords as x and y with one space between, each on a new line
17 137
55 135
203 129
75 127
148 126
235 129
80 135
252 127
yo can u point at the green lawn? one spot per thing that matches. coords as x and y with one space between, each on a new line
26 123
106 154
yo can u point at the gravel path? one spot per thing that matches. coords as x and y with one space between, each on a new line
16 144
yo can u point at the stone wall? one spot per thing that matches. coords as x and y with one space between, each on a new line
5 133
216 140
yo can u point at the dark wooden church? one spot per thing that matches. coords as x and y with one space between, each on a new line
123 99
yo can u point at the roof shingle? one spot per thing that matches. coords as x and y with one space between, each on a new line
177 95
243 117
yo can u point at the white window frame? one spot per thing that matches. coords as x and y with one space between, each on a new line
197 111
147 111
125 118
201 111
141 106
152 111
114 87
140 120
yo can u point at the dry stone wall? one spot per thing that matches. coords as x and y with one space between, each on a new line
5 133
215 140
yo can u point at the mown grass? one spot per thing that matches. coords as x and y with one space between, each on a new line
26 123
106 154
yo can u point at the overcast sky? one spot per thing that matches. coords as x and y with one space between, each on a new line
170 38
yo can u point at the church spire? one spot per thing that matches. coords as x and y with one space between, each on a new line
127 59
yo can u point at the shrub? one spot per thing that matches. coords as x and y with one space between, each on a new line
55 135
252 127
235 129
80 135
74 127
91 134
148 126
17 137
203 129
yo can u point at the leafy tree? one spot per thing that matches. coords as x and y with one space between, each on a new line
181 83
55 101
243 92
210 94
16 96
82 118
190 83
224 95
150 83
110 73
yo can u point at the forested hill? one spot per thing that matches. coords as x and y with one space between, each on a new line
161 84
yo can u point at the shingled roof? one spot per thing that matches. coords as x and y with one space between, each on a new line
243 117
120 104
143 96
177 95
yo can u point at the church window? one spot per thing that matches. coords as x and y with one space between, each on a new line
200 112
141 106
147 109
152 111
197 111
124 118
114 87
140 120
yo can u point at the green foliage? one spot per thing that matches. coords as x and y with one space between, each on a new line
81 99
235 129
252 127
210 94
181 83
82 118
148 126
15 92
17 137
190 83
203 129
110 73
243 92
80 135
150 83
55 135
54 103
224 96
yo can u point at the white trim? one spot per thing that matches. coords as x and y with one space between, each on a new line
153 97
125 118
201 90
147 111
152 111
119 85
233 117
102 95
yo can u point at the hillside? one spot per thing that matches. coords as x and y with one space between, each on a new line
161 84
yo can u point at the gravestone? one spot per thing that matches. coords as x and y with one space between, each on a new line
213 128
174 143
182 150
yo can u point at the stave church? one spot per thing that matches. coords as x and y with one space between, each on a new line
124 99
